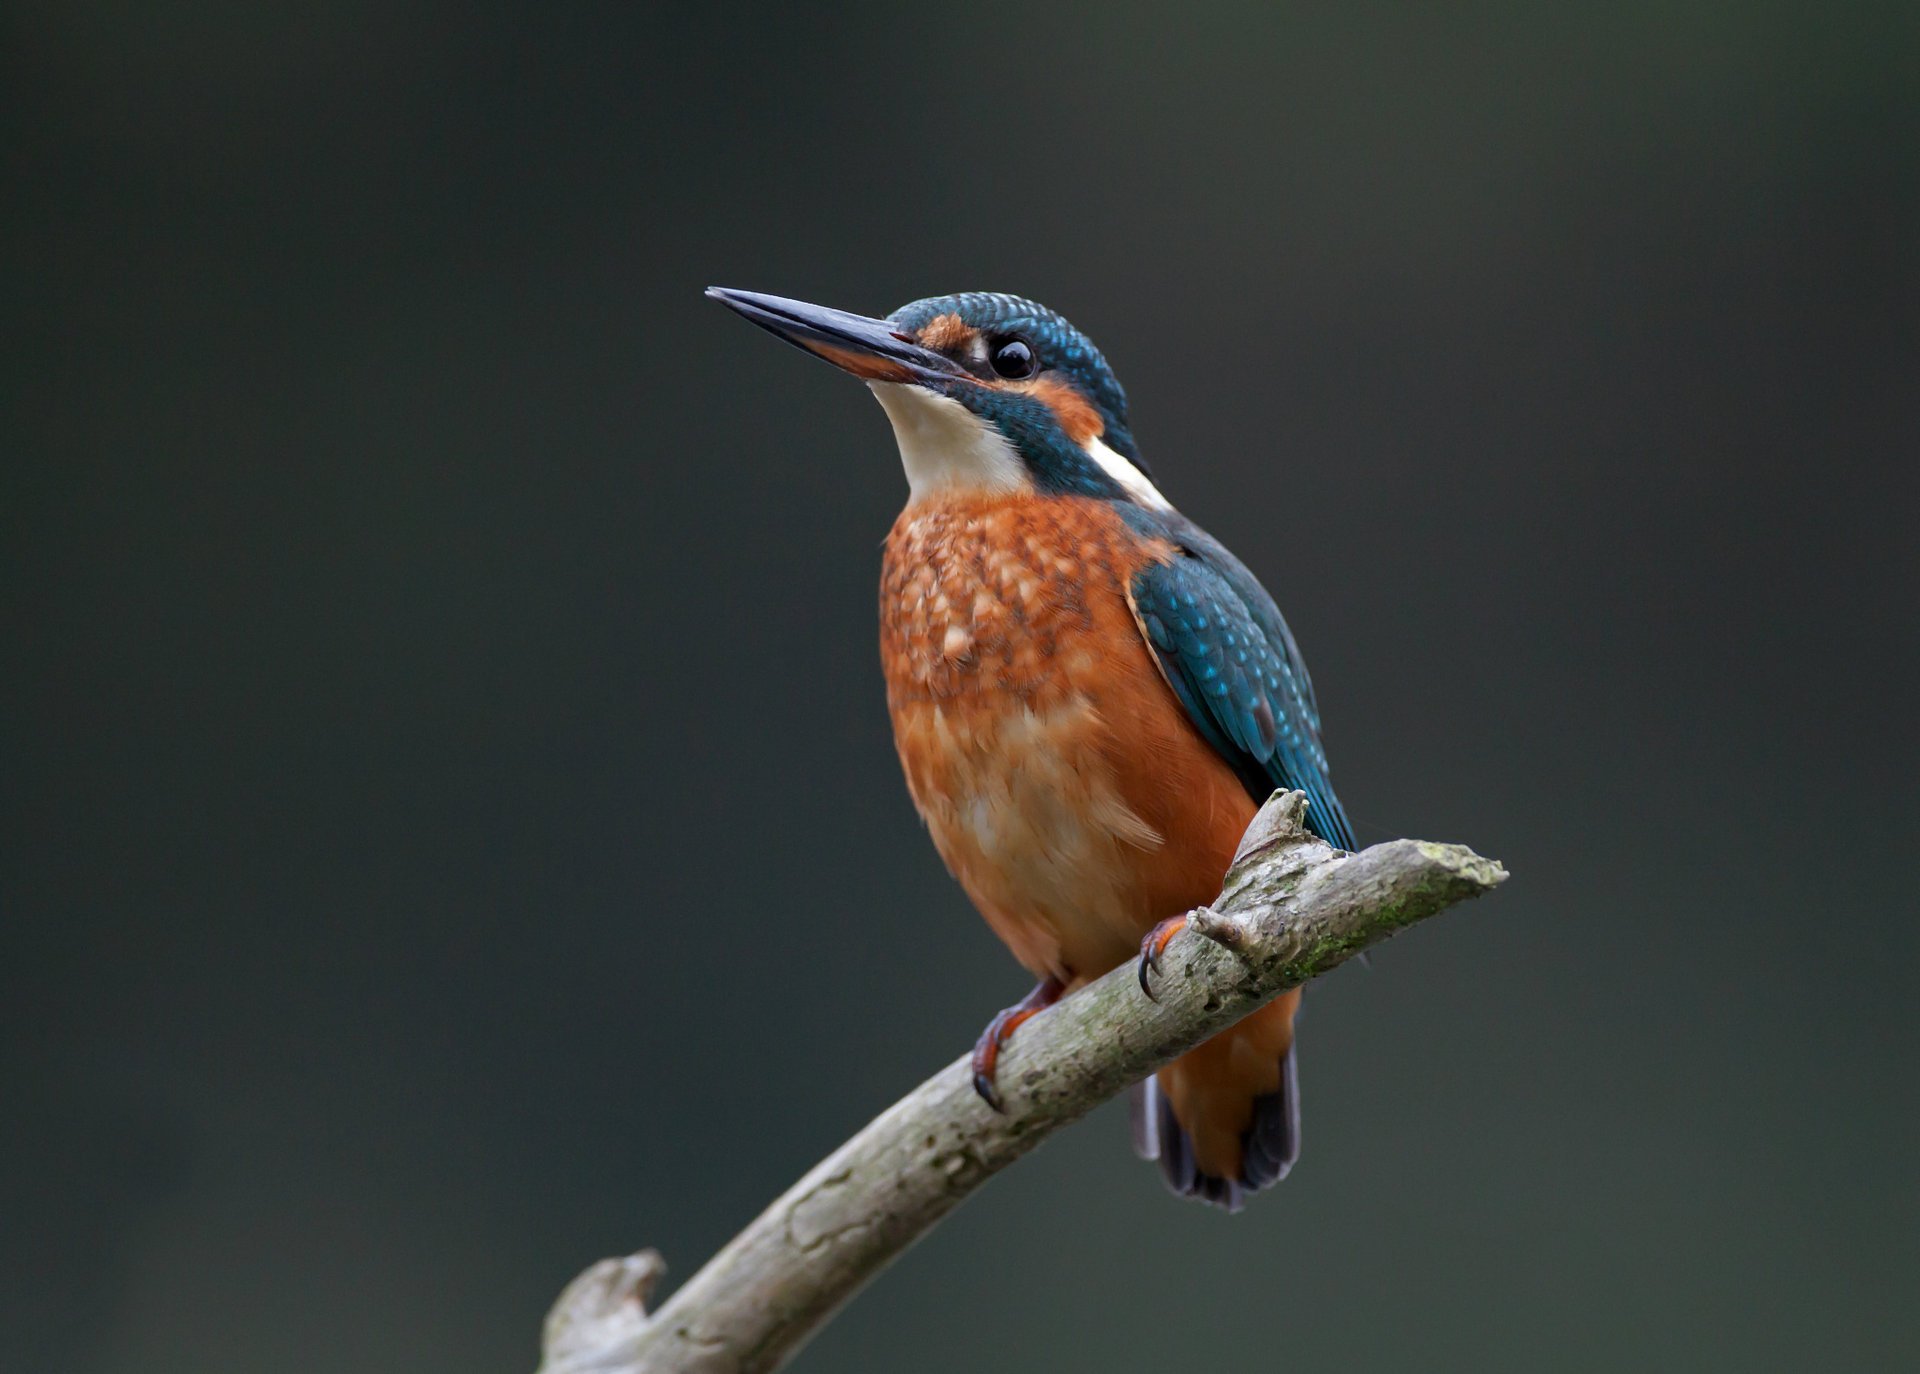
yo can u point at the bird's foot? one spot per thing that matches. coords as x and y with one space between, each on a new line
986 1050
1226 931
1153 947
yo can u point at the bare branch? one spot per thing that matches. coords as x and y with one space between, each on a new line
1291 909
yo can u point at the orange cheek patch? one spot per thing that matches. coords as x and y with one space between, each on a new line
1075 413
948 334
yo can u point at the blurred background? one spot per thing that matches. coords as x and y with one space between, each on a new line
451 828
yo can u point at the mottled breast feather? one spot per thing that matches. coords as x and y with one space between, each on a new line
1059 776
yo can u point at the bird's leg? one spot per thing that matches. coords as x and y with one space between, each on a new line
986 1050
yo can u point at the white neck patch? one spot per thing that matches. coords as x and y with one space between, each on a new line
946 448
1126 474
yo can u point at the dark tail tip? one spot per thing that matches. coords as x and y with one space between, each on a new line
1269 1149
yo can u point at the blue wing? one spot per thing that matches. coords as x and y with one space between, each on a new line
1232 662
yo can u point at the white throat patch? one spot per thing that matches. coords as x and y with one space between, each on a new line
946 448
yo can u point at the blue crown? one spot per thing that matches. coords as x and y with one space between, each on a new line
1059 345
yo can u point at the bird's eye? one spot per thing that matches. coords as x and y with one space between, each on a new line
1013 359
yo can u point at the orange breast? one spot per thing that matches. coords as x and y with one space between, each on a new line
1059 777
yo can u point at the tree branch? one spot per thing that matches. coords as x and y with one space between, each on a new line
1291 909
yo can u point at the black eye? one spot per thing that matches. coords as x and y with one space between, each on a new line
1013 359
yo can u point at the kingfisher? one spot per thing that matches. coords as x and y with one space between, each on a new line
1090 695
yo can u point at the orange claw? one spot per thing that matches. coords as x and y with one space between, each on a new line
1154 946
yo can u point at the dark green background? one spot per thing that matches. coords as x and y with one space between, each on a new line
451 831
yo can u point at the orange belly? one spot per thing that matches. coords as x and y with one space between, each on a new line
1057 773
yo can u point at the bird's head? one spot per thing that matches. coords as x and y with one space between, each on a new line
987 393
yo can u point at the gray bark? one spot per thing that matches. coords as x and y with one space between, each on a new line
1291 909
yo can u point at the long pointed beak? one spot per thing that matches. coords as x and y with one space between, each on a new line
873 349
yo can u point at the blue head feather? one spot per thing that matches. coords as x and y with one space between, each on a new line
1057 463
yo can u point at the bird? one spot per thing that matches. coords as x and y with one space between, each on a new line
1090 695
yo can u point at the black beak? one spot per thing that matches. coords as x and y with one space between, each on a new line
873 349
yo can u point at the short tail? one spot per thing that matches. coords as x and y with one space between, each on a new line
1223 1120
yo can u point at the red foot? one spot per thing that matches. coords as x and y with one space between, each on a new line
1154 946
986 1050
